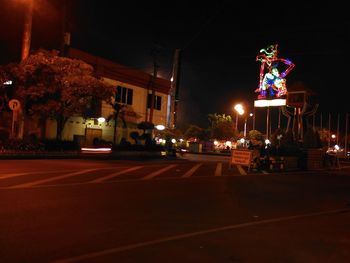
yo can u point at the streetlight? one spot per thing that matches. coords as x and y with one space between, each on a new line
239 111
27 31
245 127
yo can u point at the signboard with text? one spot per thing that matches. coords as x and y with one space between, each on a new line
241 157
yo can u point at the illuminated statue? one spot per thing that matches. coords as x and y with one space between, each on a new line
272 83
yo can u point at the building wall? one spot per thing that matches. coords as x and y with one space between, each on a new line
76 126
116 75
139 103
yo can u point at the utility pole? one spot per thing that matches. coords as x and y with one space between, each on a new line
174 91
338 120
329 130
27 31
346 135
155 67
65 42
26 42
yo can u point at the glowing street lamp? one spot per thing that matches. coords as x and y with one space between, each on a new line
101 120
239 111
160 127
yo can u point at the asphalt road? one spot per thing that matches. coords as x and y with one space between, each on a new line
194 210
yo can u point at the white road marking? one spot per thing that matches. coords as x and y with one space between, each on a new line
9 175
101 179
190 172
241 170
42 181
218 170
154 174
5 176
193 234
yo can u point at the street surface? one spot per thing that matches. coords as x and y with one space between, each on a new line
195 209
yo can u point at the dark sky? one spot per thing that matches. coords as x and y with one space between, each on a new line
219 43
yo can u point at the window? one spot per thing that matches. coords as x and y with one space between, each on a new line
157 102
124 95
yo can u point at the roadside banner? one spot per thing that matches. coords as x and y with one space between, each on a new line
241 157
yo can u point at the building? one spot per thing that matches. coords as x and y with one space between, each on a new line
133 89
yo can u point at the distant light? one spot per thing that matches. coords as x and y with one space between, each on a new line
172 79
181 140
160 127
8 82
251 114
228 143
238 107
333 136
173 140
101 120
336 147
267 141
242 140
267 103
216 143
96 150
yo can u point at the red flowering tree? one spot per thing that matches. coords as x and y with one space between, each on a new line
57 87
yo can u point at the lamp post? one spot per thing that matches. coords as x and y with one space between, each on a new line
27 31
239 111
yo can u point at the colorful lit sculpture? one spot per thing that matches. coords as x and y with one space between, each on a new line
272 83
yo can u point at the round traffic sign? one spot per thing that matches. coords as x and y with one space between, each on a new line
14 105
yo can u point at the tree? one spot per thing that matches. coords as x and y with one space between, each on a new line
215 119
7 73
256 138
145 125
221 126
194 131
57 87
118 107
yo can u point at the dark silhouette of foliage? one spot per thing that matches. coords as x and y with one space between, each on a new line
57 87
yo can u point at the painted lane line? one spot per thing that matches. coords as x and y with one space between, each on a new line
81 258
154 174
218 170
9 175
190 172
241 170
51 179
101 179
5 176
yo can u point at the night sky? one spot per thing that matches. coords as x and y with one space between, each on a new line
219 43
